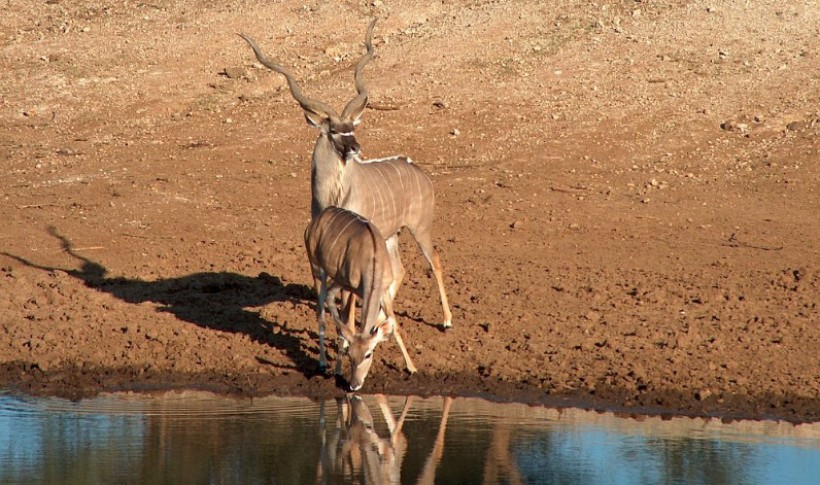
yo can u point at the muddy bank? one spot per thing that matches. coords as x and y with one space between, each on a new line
79 382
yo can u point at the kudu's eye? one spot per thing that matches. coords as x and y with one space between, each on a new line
368 355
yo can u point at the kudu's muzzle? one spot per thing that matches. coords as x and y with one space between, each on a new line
349 148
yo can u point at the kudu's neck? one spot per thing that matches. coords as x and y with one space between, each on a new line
376 285
329 178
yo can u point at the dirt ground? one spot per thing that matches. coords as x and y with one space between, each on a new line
628 197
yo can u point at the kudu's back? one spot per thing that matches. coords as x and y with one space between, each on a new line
392 194
351 251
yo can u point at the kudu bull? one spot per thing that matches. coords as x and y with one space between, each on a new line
392 193
352 253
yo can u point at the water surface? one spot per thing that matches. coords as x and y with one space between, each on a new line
199 438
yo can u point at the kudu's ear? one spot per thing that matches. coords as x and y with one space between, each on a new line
316 120
356 116
382 330
355 109
345 332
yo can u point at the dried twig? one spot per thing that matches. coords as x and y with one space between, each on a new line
37 206
567 190
384 107
145 237
86 248
734 243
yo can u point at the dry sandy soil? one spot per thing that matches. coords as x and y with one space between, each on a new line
627 197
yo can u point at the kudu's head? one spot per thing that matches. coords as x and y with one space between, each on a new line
360 349
338 130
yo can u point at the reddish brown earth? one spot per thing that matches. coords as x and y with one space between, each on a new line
628 197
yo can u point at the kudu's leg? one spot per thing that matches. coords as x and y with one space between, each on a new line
392 244
428 473
395 427
334 312
404 412
320 316
425 242
323 467
394 326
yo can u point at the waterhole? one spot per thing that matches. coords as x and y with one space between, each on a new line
200 438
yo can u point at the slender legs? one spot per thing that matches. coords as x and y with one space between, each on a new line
346 330
435 262
425 243
320 315
392 244
394 328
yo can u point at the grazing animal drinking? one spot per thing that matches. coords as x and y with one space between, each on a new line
392 192
350 252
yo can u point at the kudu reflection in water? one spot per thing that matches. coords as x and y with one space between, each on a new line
354 449
499 464
210 300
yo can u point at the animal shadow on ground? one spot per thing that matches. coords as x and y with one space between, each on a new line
216 300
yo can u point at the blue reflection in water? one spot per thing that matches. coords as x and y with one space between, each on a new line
200 438
597 456
39 447
782 463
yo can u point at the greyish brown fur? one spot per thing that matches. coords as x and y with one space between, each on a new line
350 252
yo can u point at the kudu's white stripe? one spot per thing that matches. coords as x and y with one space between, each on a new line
339 234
